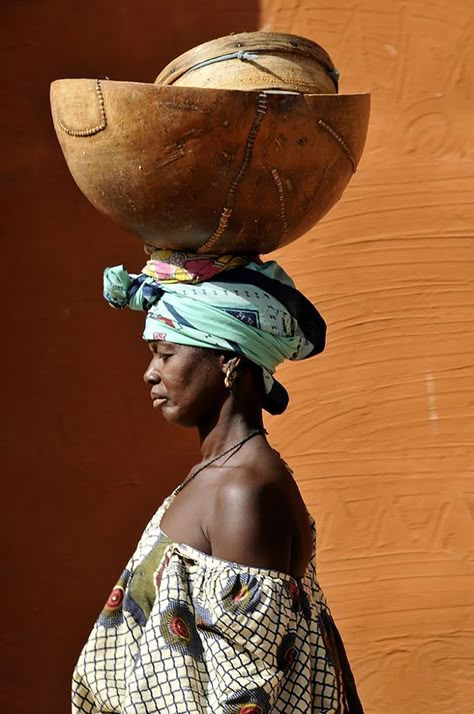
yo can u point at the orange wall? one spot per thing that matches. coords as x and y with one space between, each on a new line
379 428
84 460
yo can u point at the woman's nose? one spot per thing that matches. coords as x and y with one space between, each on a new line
151 375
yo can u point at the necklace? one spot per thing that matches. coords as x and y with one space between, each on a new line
236 447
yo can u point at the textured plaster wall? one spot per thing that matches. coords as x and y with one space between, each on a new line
380 429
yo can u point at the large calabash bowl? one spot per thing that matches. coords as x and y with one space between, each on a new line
214 169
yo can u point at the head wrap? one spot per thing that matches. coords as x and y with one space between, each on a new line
245 306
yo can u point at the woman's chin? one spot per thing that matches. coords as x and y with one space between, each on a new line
163 406
172 414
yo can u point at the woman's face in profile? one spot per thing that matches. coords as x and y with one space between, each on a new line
187 383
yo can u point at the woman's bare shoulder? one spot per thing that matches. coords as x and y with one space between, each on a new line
249 519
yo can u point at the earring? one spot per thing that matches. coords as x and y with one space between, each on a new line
229 378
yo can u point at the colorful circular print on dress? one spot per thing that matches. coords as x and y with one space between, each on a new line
304 604
204 618
293 591
112 613
241 593
252 701
325 624
286 652
178 629
299 599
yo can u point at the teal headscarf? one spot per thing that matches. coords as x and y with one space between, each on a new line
253 310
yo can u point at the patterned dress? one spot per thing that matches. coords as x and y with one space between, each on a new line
187 633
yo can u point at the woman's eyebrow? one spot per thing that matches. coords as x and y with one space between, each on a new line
155 344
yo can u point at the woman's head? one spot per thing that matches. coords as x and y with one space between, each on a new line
192 385
254 311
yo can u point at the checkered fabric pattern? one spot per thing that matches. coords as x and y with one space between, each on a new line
201 635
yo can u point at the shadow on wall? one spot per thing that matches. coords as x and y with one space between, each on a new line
87 460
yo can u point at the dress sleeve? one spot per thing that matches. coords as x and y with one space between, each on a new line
220 638
246 622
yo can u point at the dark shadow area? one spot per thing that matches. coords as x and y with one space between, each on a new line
85 460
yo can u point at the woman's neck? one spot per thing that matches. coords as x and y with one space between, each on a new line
230 427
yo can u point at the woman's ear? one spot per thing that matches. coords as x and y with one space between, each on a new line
230 362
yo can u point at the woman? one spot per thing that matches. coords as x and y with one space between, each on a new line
219 609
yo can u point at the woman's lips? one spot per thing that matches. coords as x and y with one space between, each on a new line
158 402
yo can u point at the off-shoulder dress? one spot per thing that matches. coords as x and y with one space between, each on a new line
184 632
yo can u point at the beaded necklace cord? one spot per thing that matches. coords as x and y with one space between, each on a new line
234 449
